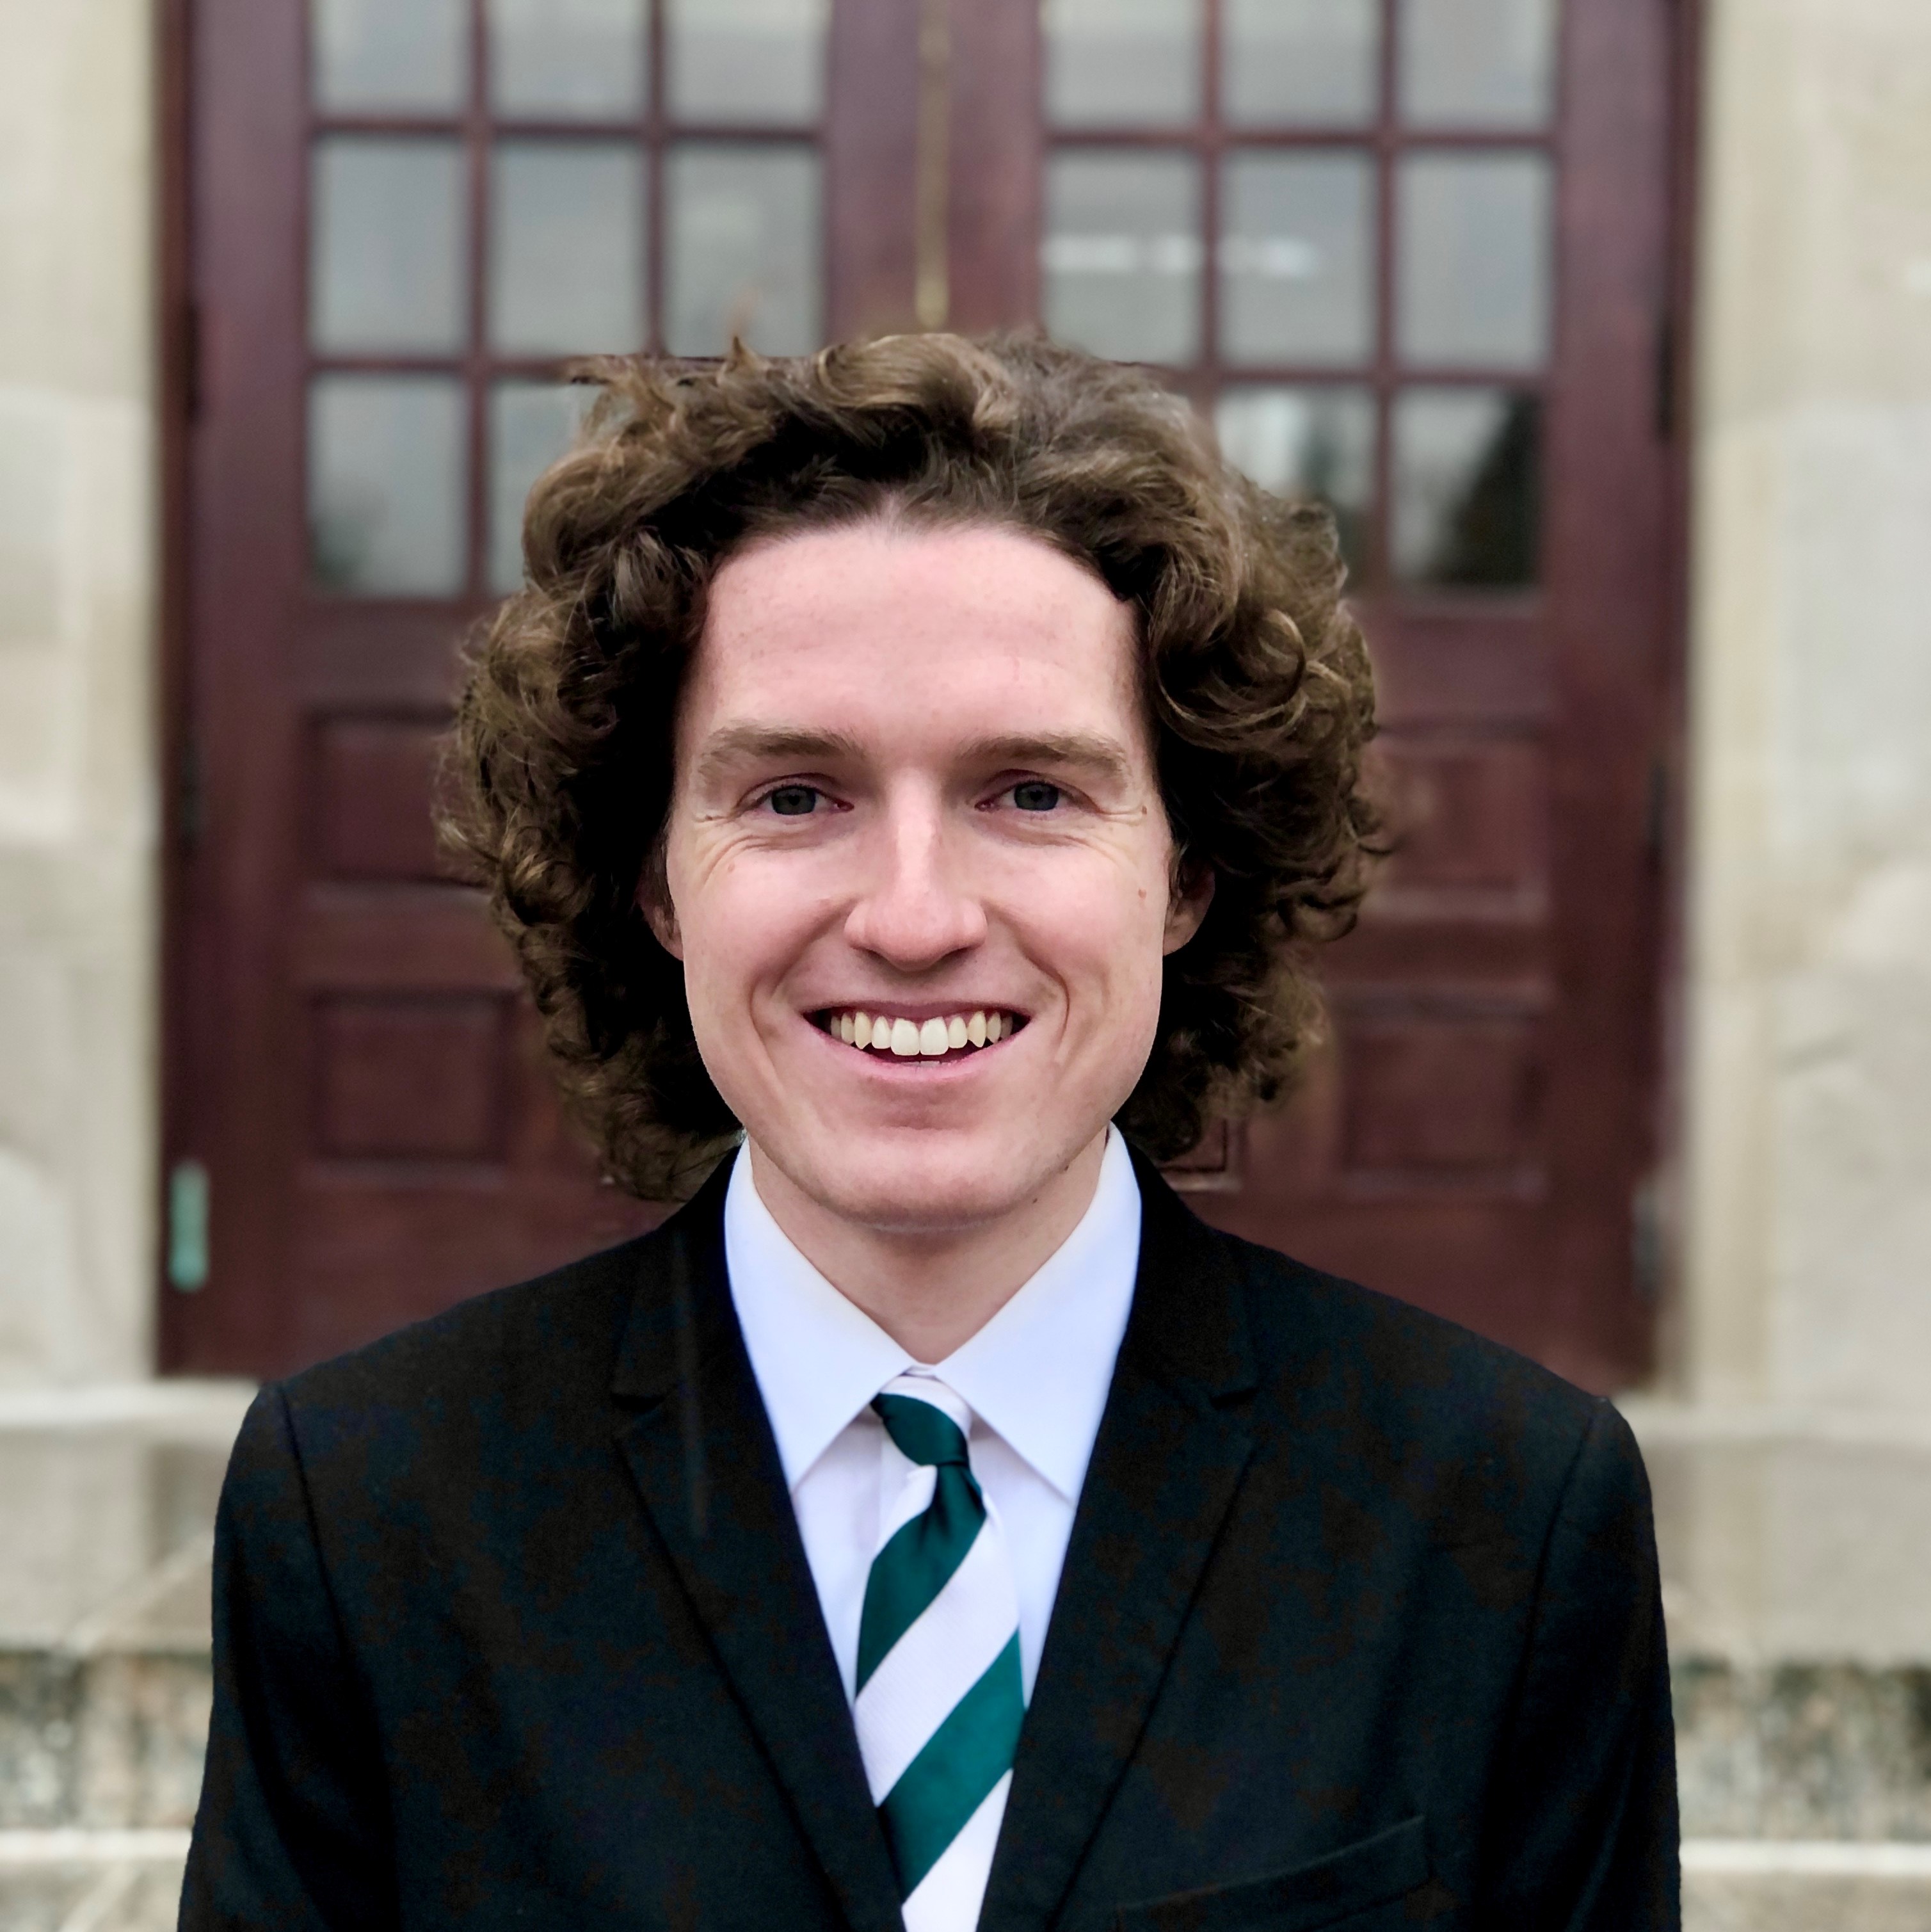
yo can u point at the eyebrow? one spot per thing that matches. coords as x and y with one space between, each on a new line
1087 751
780 744
767 744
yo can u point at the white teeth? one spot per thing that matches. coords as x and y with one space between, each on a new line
909 1040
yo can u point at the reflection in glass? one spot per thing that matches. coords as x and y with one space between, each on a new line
1122 63
566 247
1477 63
531 425
386 470
1299 63
1297 258
1467 487
746 60
1298 443
387 263
743 247
1472 243
390 56
568 59
1122 254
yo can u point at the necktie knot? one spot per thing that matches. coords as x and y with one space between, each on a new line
925 1431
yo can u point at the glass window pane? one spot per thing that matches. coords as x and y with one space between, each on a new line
744 247
1122 63
386 484
1473 243
531 425
746 60
1305 63
1307 442
389 56
1297 258
568 59
1122 254
1467 487
388 269
1477 63
566 247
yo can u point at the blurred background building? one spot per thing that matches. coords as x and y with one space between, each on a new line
1604 326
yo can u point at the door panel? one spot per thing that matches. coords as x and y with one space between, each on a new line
1413 256
404 213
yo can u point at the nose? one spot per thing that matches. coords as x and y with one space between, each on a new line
916 909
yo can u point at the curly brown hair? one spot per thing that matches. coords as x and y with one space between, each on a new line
1256 683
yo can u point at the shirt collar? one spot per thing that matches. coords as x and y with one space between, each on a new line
1038 1372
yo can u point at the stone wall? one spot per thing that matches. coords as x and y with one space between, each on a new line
1808 1260
77 923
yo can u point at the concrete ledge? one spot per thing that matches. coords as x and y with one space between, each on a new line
1803 1751
206 1408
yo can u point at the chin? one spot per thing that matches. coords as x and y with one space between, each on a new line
894 1183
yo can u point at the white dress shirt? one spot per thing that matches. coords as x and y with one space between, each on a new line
1035 1378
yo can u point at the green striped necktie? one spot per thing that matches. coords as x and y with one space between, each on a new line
940 1697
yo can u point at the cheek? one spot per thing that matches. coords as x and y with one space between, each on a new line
743 924
1111 935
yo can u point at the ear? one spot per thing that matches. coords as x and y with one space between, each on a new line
653 901
1187 904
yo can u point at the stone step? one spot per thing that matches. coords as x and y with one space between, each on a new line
1804 1885
1806 1786
90 1881
130 1882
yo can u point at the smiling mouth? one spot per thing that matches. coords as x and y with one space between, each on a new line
938 1037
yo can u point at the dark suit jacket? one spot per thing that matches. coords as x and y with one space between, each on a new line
1359 1628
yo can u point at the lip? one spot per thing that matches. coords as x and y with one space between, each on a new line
904 1009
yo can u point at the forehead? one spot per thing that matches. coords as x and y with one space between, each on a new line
881 630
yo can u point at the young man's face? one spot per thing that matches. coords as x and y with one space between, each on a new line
914 783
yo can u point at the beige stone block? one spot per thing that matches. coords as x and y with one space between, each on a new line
1716 1899
77 167
31 478
1798 1540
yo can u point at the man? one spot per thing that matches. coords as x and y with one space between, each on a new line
929 760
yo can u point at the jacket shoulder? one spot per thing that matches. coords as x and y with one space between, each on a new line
555 1332
1424 1386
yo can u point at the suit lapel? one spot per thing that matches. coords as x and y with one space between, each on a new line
1172 1445
699 1447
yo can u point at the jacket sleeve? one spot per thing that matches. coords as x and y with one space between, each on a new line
292 1831
1583 1835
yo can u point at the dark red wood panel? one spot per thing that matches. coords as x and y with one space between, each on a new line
409 1079
369 779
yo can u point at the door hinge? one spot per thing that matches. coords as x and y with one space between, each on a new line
188 1227
190 796
1646 1241
1666 385
188 349
1656 811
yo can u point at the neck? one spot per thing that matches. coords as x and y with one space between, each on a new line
932 1290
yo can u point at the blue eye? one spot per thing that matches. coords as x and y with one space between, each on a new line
1036 795
792 801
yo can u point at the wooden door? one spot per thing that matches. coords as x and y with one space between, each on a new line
1416 257
401 217
1411 254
